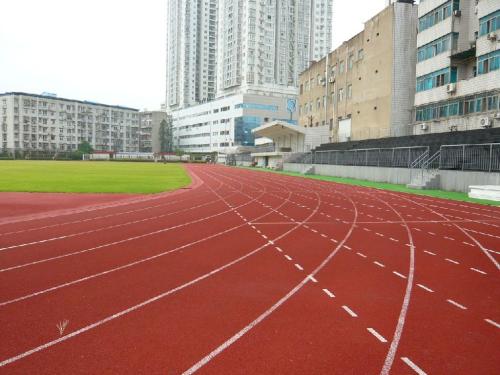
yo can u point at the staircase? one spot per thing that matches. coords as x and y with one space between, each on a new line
308 169
424 172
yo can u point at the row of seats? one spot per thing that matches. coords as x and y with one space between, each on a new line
434 141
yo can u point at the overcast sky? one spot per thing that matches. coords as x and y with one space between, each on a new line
109 51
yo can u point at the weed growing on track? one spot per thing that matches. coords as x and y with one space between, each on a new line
61 326
91 177
451 195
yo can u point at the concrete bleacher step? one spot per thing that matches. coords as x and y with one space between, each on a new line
489 192
428 180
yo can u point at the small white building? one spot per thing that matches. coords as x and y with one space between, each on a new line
287 139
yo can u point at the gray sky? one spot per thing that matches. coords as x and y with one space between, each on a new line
109 51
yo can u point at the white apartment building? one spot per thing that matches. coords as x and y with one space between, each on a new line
46 122
264 45
458 65
191 52
226 123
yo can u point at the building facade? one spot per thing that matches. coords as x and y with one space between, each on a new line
153 136
191 52
46 122
226 123
263 46
458 69
365 88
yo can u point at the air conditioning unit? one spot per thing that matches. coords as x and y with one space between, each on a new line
485 122
451 88
497 115
332 80
457 13
424 127
492 36
473 45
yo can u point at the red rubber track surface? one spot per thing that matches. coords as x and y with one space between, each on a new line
252 273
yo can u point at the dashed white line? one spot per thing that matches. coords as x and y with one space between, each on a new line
418 229
288 257
377 335
299 267
425 288
334 240
398 274
314 231
432 233
393 239
379 264
492 322
429 252
264 236
313 279
279 249
413 366
449 238
467 243
477 270
328 293
451 261
379 234
324 235
456 304
361 255
347 247
350 312
366 229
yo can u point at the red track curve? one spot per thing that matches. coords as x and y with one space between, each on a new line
248 272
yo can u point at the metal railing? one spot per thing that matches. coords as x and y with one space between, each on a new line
401 157
479 157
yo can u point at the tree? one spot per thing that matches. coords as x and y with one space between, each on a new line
166 136
85 148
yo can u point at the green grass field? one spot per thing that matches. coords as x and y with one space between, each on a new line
91 177
456 196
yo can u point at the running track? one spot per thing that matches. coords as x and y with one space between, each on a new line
253 273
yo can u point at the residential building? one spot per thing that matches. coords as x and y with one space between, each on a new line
261 49
458 69
263 46
191 52
365 88
152 137
226 123
46 122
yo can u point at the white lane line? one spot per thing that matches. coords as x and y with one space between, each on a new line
314 231
264 236
253 227
379 264
393 239
258 231
379 234
429 252
288 257
334 240
347 247
270 242
467 243
361 255
377 335
398 274
328 293
449 238
492 322
413 366
299 267
279 249
432 233
350 312
451 261
456 304
366 229
324 235
479 271
418 229
313 279
425 288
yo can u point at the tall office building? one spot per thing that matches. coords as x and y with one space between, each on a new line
191 52
263 46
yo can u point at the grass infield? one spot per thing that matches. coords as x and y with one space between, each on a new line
91 177
456 196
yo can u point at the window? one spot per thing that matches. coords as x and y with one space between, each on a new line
361 54
437 15
437 79
488 63
351 61
437 47
318 103
341 95
341 67
349 92
490 23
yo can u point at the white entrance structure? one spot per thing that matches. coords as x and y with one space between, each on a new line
287 139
